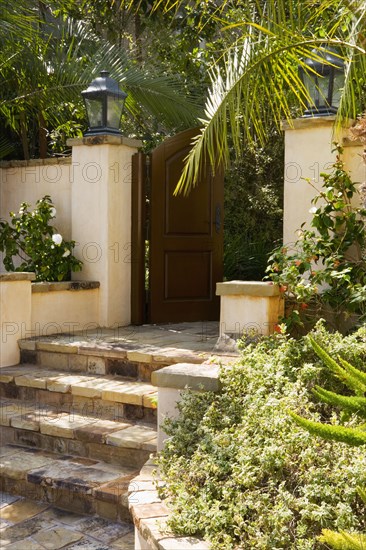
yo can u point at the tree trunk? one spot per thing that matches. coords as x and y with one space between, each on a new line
24 136
42 136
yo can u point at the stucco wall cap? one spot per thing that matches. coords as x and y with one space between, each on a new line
17 276
308 122
187 375
247 288
182 543
64 285
104 139
4 164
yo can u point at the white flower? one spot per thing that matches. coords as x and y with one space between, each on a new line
57 238
313 210
66 254
53 212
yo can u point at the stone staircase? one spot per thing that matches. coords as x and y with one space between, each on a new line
76 427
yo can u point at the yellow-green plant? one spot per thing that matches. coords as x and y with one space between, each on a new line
344 541
355 380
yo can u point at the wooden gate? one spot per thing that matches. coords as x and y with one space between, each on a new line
185 237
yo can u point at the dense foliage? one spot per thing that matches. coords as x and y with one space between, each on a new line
253 209
32 244
241 474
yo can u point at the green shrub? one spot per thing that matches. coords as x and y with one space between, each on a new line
242 475
36 245
244 259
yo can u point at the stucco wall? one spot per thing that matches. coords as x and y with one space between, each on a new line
28 181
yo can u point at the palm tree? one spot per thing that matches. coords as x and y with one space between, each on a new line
46 60
256 82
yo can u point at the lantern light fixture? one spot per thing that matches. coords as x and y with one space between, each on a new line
323 77
104 102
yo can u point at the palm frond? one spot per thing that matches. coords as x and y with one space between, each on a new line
254 86
53 71
257 80
16 19
5 148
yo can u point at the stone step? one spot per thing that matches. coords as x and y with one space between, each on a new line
82 485
128 355
32 525
43 427
110 397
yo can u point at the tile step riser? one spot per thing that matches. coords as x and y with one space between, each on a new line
66 402
90 364
98 451
69 499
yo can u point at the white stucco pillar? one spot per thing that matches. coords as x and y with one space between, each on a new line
308 152
101 220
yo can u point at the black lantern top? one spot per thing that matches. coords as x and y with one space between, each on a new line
104 101
323 80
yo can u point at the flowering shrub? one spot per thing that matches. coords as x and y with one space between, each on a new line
358 131
241 474
38 245
327 265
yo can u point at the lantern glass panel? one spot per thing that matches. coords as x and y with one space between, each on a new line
322 85
114 111
94 108
318 89
310 85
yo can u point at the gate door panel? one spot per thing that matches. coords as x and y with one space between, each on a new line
186 239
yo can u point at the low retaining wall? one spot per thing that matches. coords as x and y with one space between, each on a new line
39 309
150 516
64 307
172 380
148 512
